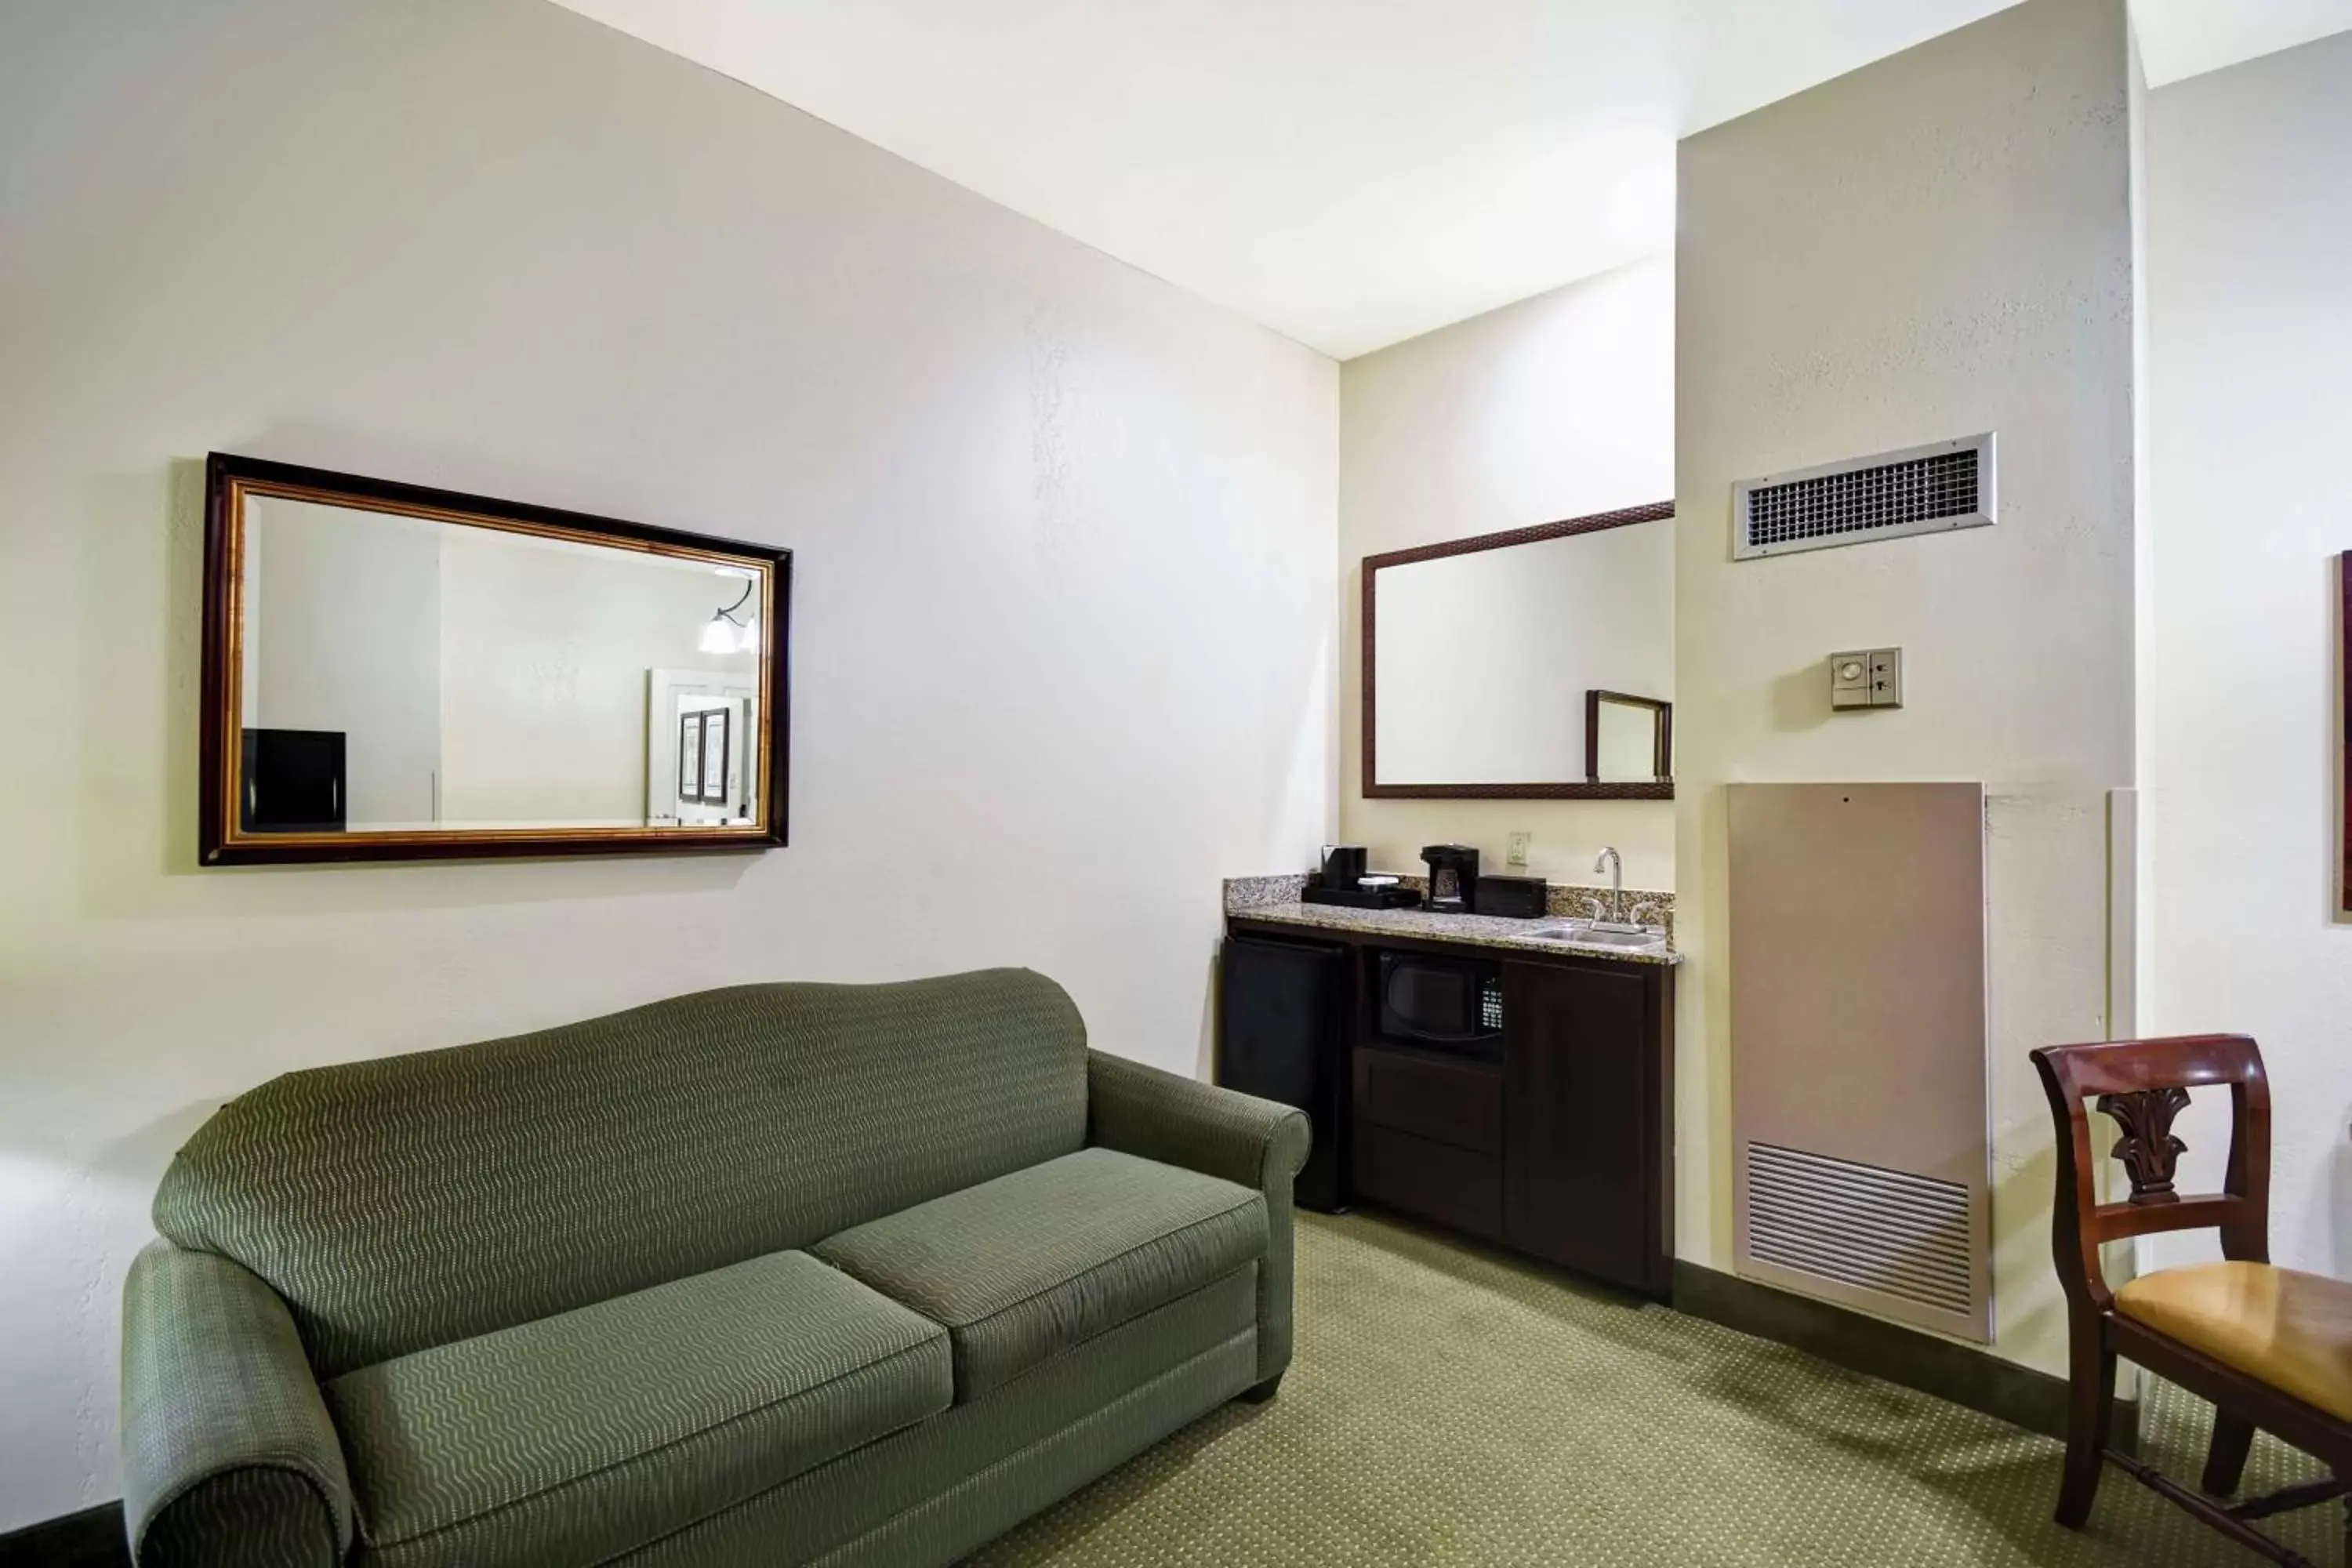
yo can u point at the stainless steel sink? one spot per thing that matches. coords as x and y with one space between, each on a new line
1585 936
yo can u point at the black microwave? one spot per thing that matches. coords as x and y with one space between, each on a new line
1455 1003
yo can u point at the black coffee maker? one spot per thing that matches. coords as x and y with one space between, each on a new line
1452 875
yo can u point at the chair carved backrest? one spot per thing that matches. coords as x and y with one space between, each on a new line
2144 1085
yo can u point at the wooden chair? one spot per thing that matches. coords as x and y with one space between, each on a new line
2271 1348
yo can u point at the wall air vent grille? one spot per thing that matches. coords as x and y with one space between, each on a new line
1925 489
1889 1232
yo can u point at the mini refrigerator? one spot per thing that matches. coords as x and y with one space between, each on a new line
1282 1036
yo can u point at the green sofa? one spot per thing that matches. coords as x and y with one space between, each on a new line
774 1274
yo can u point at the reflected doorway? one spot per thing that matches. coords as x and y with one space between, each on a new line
699 769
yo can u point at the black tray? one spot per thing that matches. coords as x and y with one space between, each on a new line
1362 897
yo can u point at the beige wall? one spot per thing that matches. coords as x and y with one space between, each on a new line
1556 408
2248 235
1064 570
1934 246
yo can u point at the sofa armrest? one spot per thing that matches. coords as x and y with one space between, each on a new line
1157 1115
228 1454
1140 1110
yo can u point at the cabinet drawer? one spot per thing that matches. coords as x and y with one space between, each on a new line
1450 1103
1436 1180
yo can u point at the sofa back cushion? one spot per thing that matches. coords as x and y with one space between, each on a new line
416 1200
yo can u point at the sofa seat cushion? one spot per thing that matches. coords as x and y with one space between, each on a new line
1039 1262
602 1428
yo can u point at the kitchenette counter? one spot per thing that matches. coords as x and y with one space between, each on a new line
1276 899
1472 1071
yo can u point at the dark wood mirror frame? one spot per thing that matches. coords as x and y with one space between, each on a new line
230 480
1585 789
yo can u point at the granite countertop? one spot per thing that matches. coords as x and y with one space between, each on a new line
1276 899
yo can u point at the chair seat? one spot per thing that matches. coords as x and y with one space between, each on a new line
594 1431
2290 1330
1035 1263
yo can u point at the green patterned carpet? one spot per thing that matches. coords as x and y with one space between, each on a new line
1451 1407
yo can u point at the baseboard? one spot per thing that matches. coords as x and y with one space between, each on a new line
1944 1368
91 1538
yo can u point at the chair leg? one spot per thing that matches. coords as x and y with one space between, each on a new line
2225 1462
2091 1401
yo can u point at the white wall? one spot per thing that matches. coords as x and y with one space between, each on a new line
1937 244
1065 568
1560 407
2250 231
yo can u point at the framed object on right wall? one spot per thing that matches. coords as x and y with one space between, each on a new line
2344 733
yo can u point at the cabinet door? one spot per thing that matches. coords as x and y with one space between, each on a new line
1460 1103
1581 1121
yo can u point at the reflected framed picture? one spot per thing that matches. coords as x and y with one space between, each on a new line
689 756
714 756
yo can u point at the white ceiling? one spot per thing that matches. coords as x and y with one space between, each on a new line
1350 172
2187 37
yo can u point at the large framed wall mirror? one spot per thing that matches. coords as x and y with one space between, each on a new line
1537 664
393 673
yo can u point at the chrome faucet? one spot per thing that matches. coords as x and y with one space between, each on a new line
1614 865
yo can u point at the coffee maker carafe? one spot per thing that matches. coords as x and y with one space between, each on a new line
1453 874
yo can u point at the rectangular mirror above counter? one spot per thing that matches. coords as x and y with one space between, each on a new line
393 673
1536 664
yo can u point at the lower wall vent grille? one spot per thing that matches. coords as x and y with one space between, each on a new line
1925 489
1900 1234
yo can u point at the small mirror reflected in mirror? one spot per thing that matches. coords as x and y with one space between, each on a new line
1628 739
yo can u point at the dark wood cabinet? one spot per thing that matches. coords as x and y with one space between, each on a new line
1557 1141
1588 1153
1440 1182
1452 1102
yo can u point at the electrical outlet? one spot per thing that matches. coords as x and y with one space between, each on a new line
1518 858
1886 678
